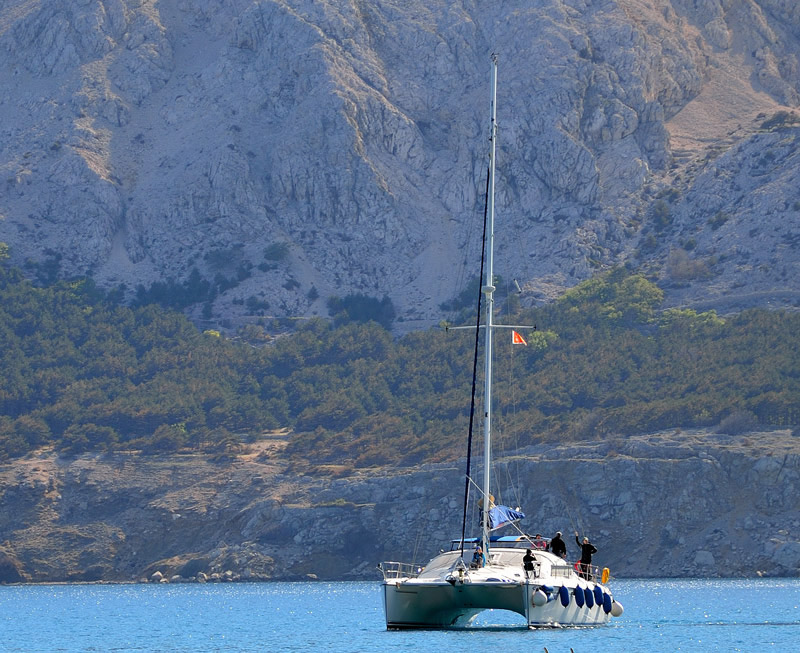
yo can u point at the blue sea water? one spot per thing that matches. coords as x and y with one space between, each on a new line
660 615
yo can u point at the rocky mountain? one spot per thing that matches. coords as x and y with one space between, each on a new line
666 504
293 150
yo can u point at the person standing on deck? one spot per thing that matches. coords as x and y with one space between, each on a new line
558 546
586 557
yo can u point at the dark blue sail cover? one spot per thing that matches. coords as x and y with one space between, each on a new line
502 515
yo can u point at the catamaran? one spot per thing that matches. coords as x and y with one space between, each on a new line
491 572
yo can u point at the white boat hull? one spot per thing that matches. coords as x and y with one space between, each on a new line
442 605
554 615
445 598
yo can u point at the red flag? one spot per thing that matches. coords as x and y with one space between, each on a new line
517 339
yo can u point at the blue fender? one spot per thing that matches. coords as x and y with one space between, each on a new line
606 603
579 596
598 595
589 598
563 594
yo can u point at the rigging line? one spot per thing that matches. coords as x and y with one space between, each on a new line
516 485
514 524
475 510
477 487
510 435
474 370
566 505
460 278
415 549
571 520
492 499
417 542
521 532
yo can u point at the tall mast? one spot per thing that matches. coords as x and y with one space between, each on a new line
488 291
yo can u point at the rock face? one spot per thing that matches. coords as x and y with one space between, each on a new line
678 504
143 139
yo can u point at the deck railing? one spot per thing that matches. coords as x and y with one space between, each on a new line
393 570
561 571
399 570
589 572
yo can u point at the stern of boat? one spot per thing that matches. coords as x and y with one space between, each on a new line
562 598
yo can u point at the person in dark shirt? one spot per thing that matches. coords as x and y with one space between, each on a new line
587 549
558 546
527 562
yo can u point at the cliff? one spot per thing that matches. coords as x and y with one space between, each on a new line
667 504
142 139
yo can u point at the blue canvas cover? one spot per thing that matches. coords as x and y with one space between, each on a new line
501 515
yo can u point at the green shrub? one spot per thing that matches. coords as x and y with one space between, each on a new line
680 267
358 307
738 422
719 219
277 251
781 119
662 217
